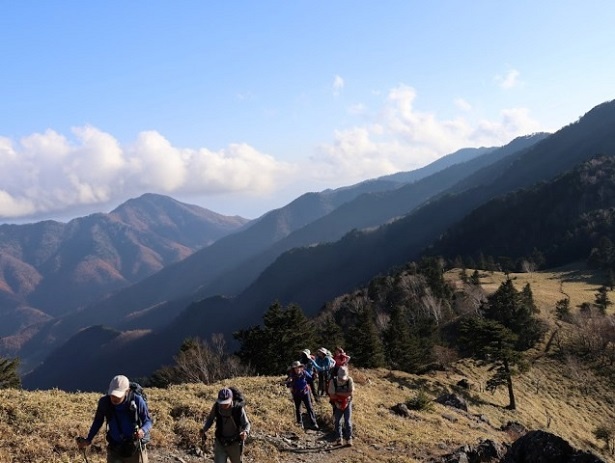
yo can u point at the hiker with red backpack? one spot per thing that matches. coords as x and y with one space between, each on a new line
232 426
341 359
128 422
341 390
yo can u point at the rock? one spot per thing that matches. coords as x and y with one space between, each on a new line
452 400
464 384
401 410
544 447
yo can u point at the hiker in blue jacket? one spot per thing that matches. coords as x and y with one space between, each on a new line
128 423
324 364
298 382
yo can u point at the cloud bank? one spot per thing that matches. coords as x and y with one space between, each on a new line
48 172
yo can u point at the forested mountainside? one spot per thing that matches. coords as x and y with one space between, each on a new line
312 276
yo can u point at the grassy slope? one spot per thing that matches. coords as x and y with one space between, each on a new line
40 426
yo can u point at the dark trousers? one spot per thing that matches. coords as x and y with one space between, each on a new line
307 401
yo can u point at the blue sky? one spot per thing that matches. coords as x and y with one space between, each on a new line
240 107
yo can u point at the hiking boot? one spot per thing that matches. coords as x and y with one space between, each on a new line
349 442
339 442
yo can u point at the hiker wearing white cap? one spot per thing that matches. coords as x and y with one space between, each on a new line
128 423
232 426
341 390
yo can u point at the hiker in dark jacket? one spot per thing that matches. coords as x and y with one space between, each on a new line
298 382
128 423
232 427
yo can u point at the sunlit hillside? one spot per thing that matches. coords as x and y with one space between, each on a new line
561 397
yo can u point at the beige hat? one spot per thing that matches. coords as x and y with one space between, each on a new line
296 364
342 373
118 386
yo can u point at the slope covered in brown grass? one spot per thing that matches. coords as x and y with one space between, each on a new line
567 400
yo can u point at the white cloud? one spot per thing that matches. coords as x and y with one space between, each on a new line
47 172
463 105
338 85
50 174
401 138
509 80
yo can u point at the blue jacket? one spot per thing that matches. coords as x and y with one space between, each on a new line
298 382
324 363
121 418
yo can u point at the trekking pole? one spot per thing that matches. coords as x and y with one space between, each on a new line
141 452
85 457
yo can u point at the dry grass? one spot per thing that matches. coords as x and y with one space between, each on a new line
41 426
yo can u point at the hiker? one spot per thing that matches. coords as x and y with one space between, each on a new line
309 363
324 364
341 389
341 359
297 381
128 423
232 426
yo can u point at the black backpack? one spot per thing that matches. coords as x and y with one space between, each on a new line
238 398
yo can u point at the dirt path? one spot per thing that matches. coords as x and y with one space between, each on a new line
291 447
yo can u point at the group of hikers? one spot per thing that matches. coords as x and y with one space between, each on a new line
128 420
333 381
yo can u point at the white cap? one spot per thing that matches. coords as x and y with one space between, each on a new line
118 386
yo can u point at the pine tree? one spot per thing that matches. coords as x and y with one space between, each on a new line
491 342
602 300
329 334
509 328
363 341
403 351
286 332
9 373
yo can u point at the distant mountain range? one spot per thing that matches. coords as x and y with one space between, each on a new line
319 246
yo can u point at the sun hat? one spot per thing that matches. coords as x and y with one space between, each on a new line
342 373
225 396
118 386
296 364
306 352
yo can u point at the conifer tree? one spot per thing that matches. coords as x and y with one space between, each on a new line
9 373
602 300
509 328
329 334
272 348
363 341
493 343
402 348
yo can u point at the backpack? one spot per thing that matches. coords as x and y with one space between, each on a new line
238 399
136 388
